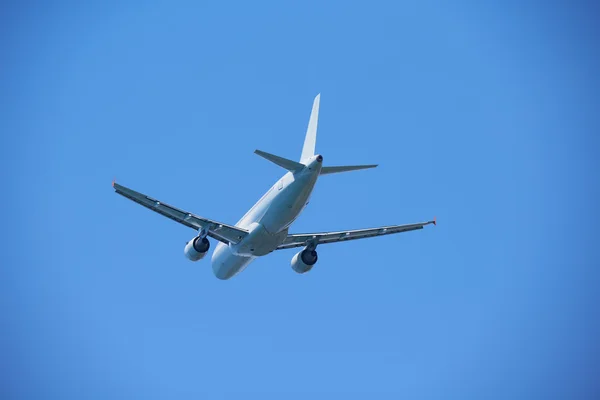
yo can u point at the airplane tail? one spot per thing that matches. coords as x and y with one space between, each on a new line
309 149
311 133
310 142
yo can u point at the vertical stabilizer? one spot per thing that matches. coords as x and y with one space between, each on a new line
311 133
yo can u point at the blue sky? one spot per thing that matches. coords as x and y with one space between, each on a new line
485 116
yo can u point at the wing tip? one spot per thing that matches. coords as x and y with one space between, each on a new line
113 182
434 221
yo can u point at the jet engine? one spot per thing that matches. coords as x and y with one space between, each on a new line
196 248
304 261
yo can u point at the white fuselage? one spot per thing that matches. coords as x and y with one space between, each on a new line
268 220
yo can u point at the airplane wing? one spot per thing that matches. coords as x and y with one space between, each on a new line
217 230
301 240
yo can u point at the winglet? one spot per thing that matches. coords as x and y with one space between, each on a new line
435 221
113 182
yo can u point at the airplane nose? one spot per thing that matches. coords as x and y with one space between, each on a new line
217 262
226 265
221 269
223 273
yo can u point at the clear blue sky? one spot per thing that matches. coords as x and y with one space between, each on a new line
484 116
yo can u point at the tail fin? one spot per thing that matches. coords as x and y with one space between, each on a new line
344 168
311 133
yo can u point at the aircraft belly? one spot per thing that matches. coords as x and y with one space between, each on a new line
286 207
259 242
267 223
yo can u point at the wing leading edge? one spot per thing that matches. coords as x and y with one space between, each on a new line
300 240
217 230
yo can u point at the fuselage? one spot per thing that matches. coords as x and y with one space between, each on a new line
268 220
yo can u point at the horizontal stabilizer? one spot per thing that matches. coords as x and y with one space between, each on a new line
344 168
282 162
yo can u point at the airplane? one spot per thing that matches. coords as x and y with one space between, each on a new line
264 228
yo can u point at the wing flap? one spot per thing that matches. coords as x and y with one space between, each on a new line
301 240
217 230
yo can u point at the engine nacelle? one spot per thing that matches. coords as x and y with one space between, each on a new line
304 261
196 248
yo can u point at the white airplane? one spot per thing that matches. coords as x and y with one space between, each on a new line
265 226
